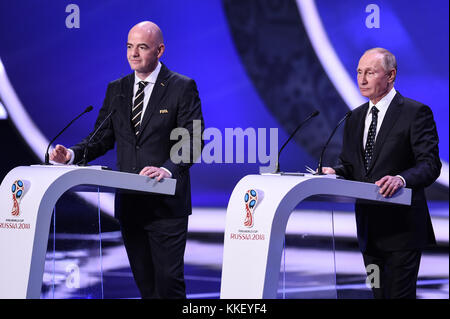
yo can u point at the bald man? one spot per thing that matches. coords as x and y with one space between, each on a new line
148 104
390 141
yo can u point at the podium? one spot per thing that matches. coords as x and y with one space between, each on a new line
27 197
256 219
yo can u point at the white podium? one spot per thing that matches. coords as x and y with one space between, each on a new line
256 219
27 197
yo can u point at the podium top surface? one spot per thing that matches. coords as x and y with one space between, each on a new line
73 176
331 188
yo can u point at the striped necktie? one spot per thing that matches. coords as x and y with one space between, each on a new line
370 143
136 112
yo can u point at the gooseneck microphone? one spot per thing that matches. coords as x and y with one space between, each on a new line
47 156
83 162
319 167
313 114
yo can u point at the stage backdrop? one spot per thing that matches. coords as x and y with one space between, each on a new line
257 64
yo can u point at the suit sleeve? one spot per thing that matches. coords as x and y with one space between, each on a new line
424 143
190 121
104 139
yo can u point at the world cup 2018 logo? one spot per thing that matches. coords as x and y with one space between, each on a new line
17 190
250 199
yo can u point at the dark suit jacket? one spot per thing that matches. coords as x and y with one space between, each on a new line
174 103
406 145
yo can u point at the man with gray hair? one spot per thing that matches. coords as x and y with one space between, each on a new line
391 141
146 106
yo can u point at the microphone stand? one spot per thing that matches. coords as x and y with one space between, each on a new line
319 167
313 114
47 156
84 160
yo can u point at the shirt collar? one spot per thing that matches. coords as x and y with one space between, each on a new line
151 78
384 103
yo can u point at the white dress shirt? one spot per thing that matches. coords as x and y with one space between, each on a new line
382 107
151 79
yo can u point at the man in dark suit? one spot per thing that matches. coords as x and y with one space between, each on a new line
390 141
148 105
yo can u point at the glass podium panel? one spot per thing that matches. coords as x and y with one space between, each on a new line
308 268
73 263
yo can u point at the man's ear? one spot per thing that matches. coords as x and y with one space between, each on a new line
392 75
161 49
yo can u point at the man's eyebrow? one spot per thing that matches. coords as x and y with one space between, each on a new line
139 44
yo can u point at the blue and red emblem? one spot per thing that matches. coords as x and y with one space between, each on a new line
17 190
250 199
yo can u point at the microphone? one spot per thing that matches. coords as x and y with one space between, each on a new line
47 157
83 161
313 114
319 167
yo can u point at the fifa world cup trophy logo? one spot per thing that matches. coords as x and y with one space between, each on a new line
17 193
250 199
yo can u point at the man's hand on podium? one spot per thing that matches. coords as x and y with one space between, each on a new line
389 185
60 154
152 171
328 170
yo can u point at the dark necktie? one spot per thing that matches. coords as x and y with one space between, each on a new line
136 112
370 143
